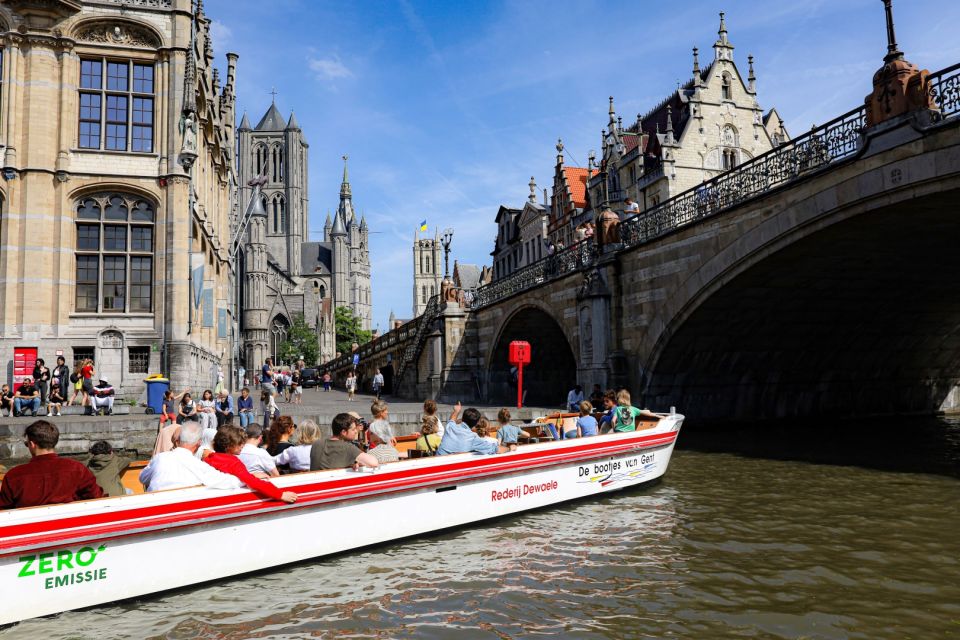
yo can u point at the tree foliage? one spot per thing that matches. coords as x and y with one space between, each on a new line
348 329
301 342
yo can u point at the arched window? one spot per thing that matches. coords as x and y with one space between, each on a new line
279 215
280 164
273 164
261 158
114 253
424 294
428 264
433 290
278 334
725 86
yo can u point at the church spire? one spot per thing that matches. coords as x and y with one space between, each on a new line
722 47
245 122
345 210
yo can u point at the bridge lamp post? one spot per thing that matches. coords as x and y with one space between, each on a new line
447 240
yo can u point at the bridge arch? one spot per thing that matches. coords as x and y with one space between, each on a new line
554 368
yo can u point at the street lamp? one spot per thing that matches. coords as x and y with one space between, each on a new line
447 239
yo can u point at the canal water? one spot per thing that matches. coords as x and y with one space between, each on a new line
849 531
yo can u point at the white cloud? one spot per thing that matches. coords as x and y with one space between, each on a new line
220 33
330 68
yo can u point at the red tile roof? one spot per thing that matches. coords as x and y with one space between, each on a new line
577 178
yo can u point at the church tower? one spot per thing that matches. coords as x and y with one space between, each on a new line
350 240
426 270
277 149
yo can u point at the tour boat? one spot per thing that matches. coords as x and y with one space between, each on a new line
62 557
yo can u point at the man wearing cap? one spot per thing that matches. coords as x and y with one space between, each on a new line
459 436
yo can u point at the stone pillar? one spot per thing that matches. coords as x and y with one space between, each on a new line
593 321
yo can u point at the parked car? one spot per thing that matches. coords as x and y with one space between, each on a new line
309 377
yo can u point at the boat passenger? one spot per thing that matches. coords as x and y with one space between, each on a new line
586 423
258 461
609 406
430 413
339 452
625 417
459 437
429 440
206 443
107 467
596 396
380 411
227 444
180 468
507 433
380 435
47 478
488 430
297 457
279 434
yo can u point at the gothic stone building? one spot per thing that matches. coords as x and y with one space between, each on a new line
284 274
116 135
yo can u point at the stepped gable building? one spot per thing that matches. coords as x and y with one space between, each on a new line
569 199
711 124
284 274
117 141
427 271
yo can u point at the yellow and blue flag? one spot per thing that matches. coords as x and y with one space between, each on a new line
423 226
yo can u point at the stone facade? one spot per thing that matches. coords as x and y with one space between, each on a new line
117 140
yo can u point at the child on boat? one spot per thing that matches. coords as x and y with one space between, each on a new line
625 416
506 433
586 423
429 439
430 413
487 431
107 467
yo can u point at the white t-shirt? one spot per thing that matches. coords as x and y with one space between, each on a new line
256 459
179 468
297 456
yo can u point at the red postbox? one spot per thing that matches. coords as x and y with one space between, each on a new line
519 355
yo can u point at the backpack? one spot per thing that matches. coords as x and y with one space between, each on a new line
74 378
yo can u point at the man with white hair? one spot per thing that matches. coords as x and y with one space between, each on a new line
381 437
181 468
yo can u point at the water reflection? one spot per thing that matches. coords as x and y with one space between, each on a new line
726 546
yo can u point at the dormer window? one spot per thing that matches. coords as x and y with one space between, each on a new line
725 87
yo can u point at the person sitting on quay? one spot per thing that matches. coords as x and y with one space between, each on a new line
188 409
27 398
507 433
46 478
6 400
102 398
224 407
245 408
458 437
206 410
574 398
381 439
107 467
56 400
227 444
296 458
258 461
586 423
180 467
429 440
339 452
430 413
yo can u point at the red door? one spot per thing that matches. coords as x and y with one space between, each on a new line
24 359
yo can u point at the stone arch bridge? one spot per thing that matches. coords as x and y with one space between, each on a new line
820 278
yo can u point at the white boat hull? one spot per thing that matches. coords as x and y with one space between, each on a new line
64 557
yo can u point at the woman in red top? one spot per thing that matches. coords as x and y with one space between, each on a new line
226 445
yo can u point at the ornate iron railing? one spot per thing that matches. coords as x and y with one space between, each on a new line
945 90
574 258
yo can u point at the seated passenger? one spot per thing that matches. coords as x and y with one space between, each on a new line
380 411
586 423
206 443
609 407
507 433
430 413
429 440
227 444
339 452
278 435
297 457
380 435
487 431
625 416
181 468
47 478
107 467
459 437
258 461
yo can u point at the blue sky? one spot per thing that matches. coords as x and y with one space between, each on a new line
447 108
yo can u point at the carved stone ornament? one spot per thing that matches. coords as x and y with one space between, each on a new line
111 339
118 33
592 285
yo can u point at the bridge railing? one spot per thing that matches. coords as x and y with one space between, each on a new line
945 90
574 258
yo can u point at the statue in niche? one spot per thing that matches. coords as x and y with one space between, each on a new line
188 129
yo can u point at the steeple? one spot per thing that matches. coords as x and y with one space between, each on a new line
345 210
559 151
668 138
363 223
696 67
272 120
613 116
533 191
751 78
722 47
292 124
339 228
245 122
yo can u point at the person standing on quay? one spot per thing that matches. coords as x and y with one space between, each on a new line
351 385
378 383
266 377
61 376
41 376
